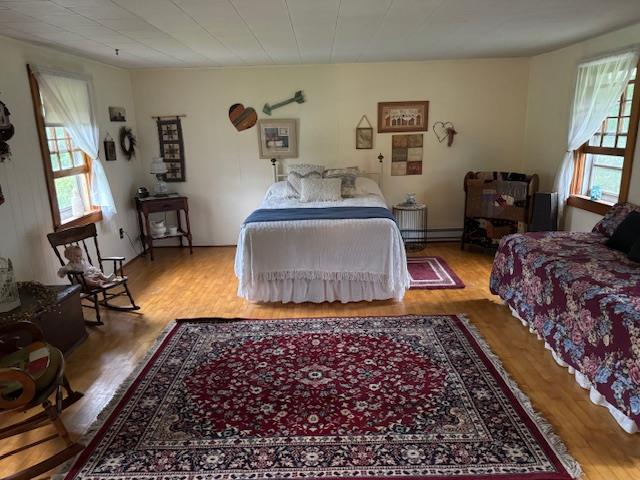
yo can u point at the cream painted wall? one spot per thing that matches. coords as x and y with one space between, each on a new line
551 85
485 99
25 217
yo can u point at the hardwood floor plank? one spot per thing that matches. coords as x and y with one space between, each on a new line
178 285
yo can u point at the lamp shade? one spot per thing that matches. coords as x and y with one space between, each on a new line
158 167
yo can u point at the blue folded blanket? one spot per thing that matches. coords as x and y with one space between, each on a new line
329 213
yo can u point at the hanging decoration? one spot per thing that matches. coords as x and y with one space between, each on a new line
172 147
298 97
444 130
6 132
128 142
242 118
364 135
406 154
109 149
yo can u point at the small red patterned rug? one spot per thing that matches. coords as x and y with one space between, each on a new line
413 397
431 273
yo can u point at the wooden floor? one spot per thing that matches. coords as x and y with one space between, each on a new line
177 285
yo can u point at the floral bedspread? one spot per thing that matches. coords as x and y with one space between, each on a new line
584 299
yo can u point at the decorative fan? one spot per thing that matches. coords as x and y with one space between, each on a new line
127 142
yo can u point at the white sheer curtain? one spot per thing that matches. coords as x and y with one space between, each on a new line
599 84
68 100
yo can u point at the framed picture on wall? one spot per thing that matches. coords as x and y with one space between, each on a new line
117 114
403 116
278 138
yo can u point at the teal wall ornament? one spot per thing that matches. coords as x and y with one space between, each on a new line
298 97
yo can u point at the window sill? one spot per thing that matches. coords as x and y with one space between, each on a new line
92 217
585 203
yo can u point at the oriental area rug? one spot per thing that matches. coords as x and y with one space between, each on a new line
413 397
431 273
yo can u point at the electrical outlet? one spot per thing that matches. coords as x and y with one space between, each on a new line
121 232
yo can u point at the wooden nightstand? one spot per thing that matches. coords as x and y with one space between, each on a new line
170 203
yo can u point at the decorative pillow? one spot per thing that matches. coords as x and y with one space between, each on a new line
614 217
294 182
348 186
627 233
634 253
304 169
348 176
320 190
339 172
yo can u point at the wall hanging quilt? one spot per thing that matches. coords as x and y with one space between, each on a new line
172 148
406 154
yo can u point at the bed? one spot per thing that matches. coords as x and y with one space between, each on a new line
583 299
316 256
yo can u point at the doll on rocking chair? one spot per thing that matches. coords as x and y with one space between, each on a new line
93 276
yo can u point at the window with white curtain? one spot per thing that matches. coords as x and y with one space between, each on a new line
78 188
602 170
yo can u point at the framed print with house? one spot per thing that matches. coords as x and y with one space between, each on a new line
278 138
403 116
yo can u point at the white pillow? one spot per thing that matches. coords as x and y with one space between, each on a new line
294 182
304 169
276 190
321 190
367 186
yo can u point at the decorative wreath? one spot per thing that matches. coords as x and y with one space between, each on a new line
127 142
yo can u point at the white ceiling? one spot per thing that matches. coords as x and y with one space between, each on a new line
189 33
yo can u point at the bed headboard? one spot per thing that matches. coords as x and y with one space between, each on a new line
278 175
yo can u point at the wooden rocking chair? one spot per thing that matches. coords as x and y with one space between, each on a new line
78 236
31 371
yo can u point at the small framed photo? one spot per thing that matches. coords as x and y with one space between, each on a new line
364 138
117 114
110 150
278 138
403 116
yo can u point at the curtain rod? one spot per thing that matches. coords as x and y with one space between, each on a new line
169 116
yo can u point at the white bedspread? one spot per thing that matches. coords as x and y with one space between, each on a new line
321 260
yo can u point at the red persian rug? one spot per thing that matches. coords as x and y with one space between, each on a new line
413 397
431 273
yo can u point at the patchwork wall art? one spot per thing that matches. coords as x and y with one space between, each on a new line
172 147
406 154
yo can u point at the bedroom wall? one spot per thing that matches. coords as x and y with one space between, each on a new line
485 99
25 217
551 85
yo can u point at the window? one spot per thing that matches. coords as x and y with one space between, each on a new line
603 164
67 169
70 171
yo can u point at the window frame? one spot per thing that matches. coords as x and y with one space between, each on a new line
95 215
601 207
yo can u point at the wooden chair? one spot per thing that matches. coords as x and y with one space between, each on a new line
24 386
78 236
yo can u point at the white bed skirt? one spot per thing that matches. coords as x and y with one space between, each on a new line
301 290
626 423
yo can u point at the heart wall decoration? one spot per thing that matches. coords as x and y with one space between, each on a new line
242 118
444 130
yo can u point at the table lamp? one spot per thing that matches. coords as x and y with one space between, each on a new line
159 169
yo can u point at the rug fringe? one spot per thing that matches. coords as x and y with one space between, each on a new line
556 443
104 414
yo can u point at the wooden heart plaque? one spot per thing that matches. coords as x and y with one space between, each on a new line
242 118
